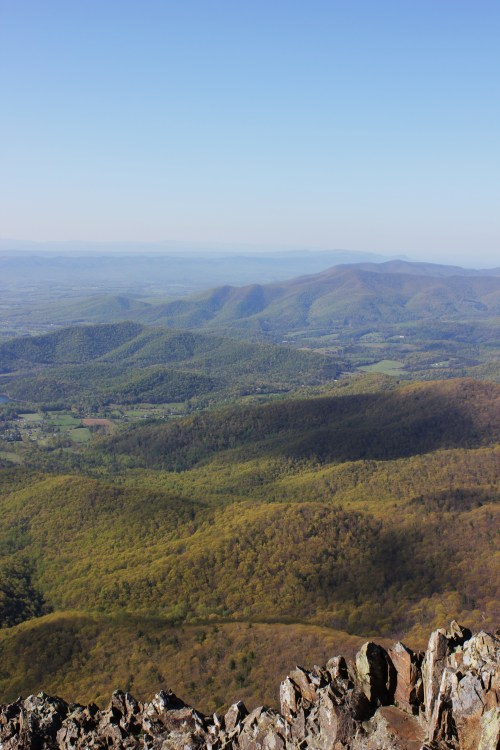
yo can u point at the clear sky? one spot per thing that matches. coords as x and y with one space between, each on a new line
355 124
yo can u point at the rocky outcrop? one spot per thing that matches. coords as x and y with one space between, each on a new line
409 690
448 697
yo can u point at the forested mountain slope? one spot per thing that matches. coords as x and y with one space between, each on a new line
369 512
128 363
352 295
415 419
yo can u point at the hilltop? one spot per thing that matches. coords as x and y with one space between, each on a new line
132 363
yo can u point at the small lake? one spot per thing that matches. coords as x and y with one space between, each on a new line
4 399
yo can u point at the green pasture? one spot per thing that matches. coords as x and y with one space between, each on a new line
80 434
386 367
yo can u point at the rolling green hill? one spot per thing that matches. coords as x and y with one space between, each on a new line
337 511
130 363
388 293
68 345
400 283
368 512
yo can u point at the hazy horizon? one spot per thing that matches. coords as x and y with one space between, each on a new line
180 248
370 127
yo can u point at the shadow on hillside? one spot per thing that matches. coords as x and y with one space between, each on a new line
402 423
457 500
390 427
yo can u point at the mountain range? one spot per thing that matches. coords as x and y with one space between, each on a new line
423 320
345 295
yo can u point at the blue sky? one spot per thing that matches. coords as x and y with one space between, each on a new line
357 125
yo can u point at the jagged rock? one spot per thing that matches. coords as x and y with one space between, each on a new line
307 684
122 716
235 714
432 669
288 699
79 728
391 728
300 689
469 687
337 668
262 729
409 692
10 725
339 707
359 705
441 727
468 707
33 722
376 674
441 643
337 725
172 724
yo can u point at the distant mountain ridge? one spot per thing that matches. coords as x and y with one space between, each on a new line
352 294
131 270
342 296
422 268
